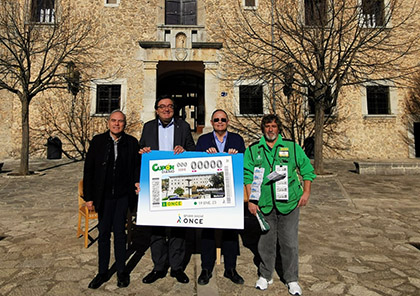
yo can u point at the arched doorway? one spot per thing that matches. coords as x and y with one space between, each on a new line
184 82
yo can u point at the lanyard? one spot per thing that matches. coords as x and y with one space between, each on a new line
274 158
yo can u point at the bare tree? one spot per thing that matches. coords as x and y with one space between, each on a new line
37 42
313 49
297 122
68 118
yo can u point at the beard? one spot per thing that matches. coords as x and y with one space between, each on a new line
271 137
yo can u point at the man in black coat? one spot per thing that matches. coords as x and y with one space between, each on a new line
168 134
220 140
111 169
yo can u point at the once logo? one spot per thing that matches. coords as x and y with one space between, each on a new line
195 221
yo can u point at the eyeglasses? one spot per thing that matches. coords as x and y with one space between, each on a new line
221 119
166 106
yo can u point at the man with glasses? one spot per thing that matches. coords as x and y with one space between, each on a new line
220 140
166 133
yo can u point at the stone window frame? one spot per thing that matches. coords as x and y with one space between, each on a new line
393 99
236 94
107 4
94 86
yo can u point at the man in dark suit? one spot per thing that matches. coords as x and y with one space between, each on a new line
168 134
220 140
111 170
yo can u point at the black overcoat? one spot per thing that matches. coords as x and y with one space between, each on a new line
97 160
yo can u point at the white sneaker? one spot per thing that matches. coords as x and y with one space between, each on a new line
294 288
262 283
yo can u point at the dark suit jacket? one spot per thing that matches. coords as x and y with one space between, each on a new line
182 135
233 140
97 160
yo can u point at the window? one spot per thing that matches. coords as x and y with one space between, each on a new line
180 12
108 98
315 13
112 3
251 99
43 11
329 108
250 4
108 95
378 99
372 13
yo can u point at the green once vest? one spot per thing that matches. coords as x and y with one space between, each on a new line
283 152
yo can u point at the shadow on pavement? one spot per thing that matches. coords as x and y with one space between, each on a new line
251 235
58 165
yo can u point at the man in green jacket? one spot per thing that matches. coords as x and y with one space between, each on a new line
275 193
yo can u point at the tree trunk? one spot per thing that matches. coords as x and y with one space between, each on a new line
24 152
318 135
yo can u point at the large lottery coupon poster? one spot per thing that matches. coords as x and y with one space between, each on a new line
191 189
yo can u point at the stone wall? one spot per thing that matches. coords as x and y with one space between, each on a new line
119 30
9 133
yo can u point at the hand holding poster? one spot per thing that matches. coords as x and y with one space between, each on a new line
192 189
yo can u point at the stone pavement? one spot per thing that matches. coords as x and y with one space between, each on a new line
357 237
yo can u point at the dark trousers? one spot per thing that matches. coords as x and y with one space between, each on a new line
230 248
167 245
112 217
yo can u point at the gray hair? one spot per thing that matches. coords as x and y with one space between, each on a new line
219 110
117 111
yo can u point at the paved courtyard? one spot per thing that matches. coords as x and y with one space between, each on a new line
358 236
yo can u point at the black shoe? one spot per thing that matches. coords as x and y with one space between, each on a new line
204 277
123 279
98 280
180 276
233 275
153 276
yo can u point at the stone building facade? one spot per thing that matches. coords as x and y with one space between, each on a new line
155 47
185 181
